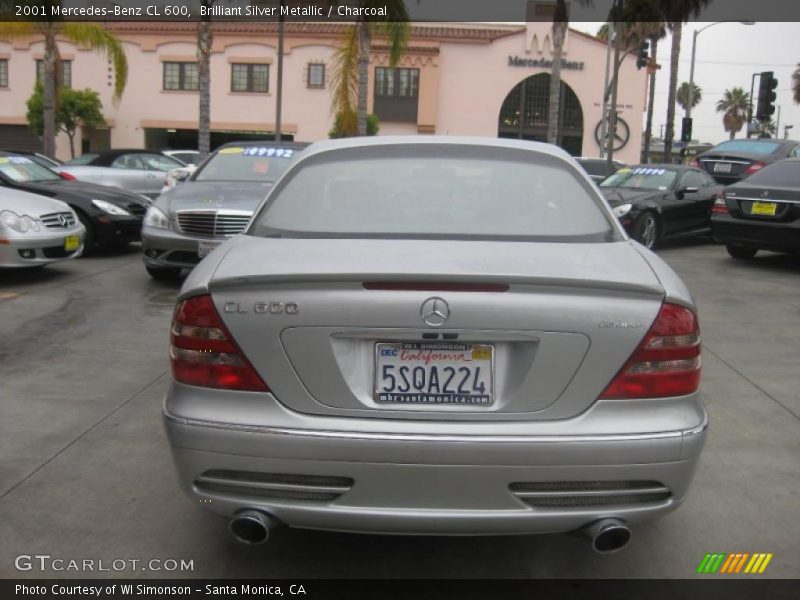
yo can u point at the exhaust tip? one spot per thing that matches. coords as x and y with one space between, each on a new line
608 535
252 527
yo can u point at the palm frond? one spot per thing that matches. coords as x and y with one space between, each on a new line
396 34
15 30
344 80
100 40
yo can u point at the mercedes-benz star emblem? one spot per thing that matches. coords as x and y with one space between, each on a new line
435 312
765 194
63 220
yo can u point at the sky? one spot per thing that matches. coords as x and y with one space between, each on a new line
727 56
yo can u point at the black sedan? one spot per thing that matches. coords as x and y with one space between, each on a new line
112 216
761 213
654 202
734 160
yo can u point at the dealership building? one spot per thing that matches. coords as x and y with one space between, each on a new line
453 79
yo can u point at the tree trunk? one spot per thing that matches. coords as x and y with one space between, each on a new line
71 144
669 134
364 42
559 28
648 130
204 41
732 135
49 92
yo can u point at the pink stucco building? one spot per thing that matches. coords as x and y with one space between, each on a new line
461 78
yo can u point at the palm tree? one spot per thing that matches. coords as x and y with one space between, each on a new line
734 105
205 39
766 127
796 84
89 35
683 95
351 62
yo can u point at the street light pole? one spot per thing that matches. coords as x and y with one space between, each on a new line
279 98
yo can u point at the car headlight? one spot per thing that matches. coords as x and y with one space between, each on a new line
111 209
622 210
13 221
155 217
32 223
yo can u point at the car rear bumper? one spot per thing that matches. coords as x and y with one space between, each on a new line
779 237
400 478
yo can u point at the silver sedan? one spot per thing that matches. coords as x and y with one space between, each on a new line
36 230
435 335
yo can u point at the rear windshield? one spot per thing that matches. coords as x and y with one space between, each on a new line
246 163
84 159
784 173
641 178
750 146
22 169
437 192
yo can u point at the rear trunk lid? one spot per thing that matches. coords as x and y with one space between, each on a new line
758 203
559 323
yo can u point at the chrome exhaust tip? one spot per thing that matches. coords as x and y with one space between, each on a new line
252 527
607 535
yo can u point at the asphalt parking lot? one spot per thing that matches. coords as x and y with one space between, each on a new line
85 471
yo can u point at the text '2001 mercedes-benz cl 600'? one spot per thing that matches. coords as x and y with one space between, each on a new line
437 335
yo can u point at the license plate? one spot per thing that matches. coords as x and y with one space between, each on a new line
722 167
205 248
71 242
434 373
763 208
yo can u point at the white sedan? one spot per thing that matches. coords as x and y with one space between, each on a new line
36 230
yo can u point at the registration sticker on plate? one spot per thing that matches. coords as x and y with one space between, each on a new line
434 373
721 167
71 242
205 248
763 208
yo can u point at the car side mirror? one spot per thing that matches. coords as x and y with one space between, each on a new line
686 190
181 176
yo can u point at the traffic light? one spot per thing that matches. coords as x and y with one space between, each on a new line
644 54
686 129
766 95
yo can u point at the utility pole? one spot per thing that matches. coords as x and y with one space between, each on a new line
612 121
279 99
778 123
612 32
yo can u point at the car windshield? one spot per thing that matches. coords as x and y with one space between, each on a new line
641 178
747 146
22 169
246 163
784 173
84 159
435 192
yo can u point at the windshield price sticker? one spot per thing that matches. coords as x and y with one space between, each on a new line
648 171
265 151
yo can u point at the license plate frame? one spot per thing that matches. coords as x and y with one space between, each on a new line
72 243
204 248
723 167
764 209
453 391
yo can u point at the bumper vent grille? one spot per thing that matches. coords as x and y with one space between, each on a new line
136 209
59 220
281 486
578 494
212 223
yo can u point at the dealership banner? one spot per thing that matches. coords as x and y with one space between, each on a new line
377 10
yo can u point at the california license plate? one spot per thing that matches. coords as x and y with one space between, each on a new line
722 167
434 373
71 242
763 208
205 248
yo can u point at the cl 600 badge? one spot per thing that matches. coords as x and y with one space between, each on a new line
262 308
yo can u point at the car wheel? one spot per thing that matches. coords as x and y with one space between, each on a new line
163 273
645 230
89 239
741 252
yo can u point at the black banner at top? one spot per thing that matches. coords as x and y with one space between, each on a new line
382 10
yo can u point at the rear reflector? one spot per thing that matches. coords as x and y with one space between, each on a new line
666 363
203 352
719 207
429 286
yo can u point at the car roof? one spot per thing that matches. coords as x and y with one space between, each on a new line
273 143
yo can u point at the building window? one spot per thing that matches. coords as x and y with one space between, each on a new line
180 76
316 75
250 78
66 72
3 72
396 94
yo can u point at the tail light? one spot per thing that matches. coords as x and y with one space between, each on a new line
666 363
720 207
203 352
67 176
756 166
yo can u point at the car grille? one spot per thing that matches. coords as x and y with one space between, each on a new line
212 223
282 486
57 252
59 220
578 494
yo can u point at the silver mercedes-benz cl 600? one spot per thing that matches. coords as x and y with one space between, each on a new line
435 335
